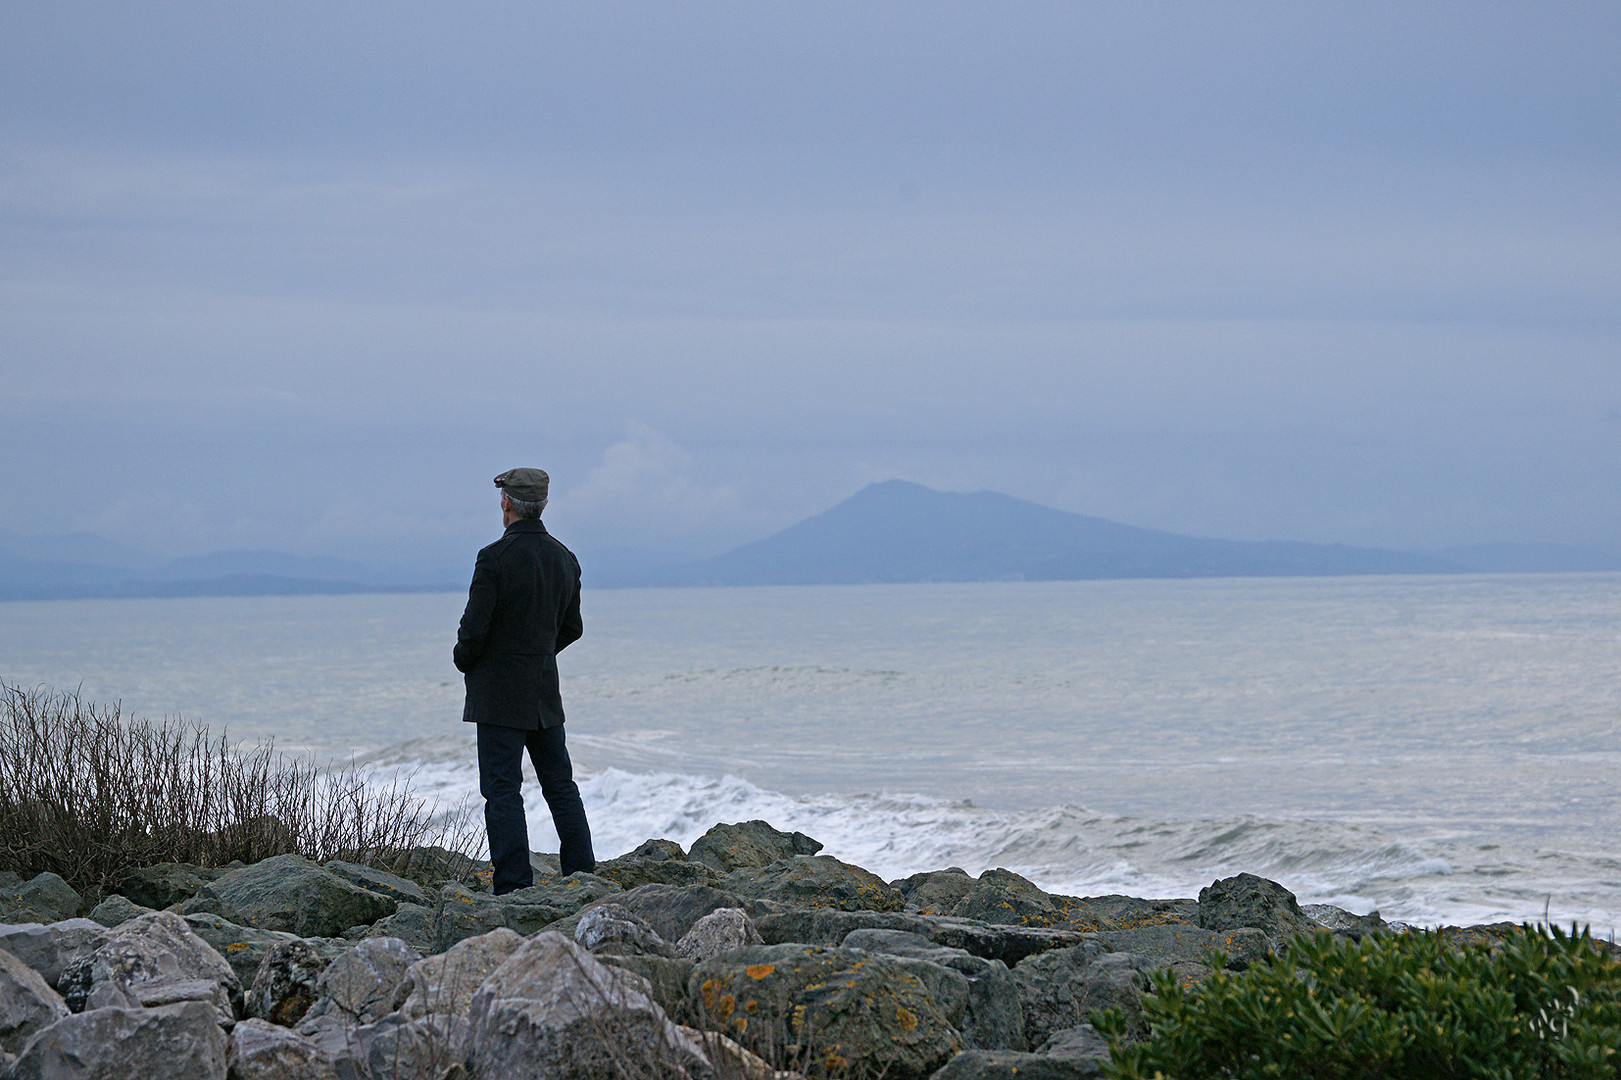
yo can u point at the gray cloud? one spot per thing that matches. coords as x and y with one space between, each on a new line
304 277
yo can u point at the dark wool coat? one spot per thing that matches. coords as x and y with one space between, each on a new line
522 610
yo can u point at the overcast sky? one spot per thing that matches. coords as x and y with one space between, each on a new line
307 275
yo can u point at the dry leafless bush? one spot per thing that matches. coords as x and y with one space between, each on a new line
88 794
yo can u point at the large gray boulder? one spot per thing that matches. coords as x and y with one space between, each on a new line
826 926
817 881
1001 896
163 885
610 927
174 1042
994 1018
153 960
1186 949
721 931
361 984
1060 989
45 898
868 1013
552 1009
283 988
444 984
1345 923
117 909
399 889
412 924
666 978
293 894
397 1047
462 913
629 873
1078 1043
260 1050
749 843
48 949
935 892
671 910
1247 900
243 947
28 1005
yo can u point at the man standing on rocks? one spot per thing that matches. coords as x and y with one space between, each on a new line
522 610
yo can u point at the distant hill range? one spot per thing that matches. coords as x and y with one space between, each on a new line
83 565
890 532
903 532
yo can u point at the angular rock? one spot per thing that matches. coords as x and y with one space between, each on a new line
859 1011
553 1010
154 959
361 984
721 931
462 913
46 898
116 909
412 924
1082 1041
1345 923
1013 1065
748 844
1003 897
175 1042
164 884
829 926
28 1005
283 989
614 928
824 926
1178 946
818 881
671 910
935 892
1060 989
666 977
243 947
397 1047
631 873
994 1018
657 851
291 893
1119 912
399 889
1007 943
260 1050
48 949
1247 900
206 902
443 985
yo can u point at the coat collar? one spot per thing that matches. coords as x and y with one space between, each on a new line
525 525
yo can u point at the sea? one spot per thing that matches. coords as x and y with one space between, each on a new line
1444 750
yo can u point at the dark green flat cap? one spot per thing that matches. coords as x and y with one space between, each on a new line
525 485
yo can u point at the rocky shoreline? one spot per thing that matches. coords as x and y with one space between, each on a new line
751 955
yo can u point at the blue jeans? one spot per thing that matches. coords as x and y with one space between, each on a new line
500 781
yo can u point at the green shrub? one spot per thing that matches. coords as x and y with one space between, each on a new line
1538 1003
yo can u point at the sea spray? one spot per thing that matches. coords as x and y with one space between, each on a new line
1067 849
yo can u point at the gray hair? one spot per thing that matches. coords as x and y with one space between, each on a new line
526 510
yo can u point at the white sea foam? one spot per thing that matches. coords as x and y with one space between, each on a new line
1064 849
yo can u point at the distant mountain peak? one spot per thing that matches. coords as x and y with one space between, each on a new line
901 531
